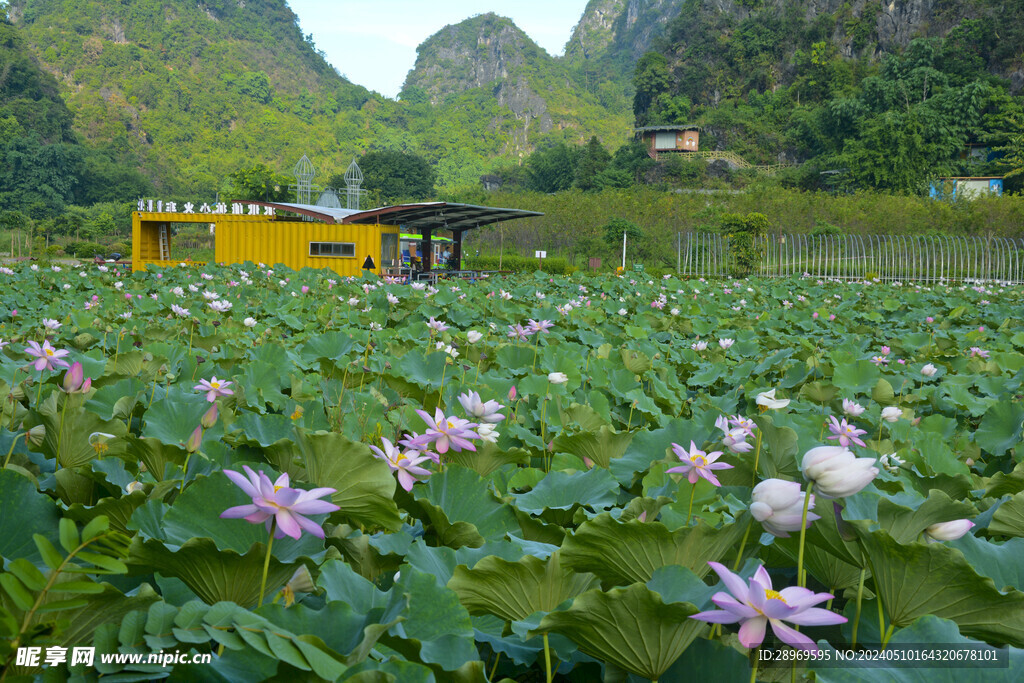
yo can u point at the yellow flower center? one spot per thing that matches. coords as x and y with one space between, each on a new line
49 352
400 457
215 385
100 447
699 461
277 488
775 595
450 425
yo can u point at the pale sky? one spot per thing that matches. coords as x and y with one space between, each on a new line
373 42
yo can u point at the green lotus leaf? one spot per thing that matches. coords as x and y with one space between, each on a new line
24 511
621 553
489 457
631 628
1001 427
437 627
596 488
1001 562
1008 519
213 575
930 578
515 590
600 446
461 508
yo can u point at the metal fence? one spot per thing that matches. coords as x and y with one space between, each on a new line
856 257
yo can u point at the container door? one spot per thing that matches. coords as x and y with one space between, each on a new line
389 250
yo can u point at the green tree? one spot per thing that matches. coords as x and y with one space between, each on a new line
258 183
552 169
592 162
397 175
651 79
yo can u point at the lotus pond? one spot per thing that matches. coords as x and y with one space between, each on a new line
528 479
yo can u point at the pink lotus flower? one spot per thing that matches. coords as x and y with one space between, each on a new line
746 424
405 465
445 432
479 410
75 380
733 438
214 388
974 350
276 501
518 332
845 432
757 605
697 463
540 326
46 357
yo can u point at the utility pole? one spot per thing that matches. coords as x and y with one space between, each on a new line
623 250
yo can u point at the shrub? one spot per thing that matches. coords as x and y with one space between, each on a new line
85 250
744 233
518 264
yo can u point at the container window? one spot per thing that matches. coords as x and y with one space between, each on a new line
347 249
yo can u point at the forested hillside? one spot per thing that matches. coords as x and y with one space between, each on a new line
887 94
104 101
43 167
191 90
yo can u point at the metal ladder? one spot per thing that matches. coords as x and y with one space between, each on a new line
165 250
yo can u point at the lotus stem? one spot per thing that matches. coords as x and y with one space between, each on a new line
757 458
440 389
476 382
689 510
60 430
39 391
856 615
494 669
743 545
10 451
629 424
757 660
888 635
800 578
881 614
543 430
547 659
266 561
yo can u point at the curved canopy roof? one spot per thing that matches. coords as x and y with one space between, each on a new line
425 216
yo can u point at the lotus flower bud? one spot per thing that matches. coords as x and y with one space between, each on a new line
73 377
891 414
852 408
558 378
195 440
948 531
134 486
929 370
778 505
512 393
837 472
209 418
